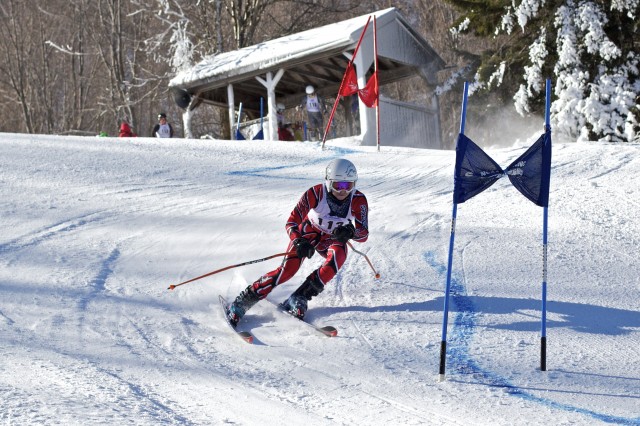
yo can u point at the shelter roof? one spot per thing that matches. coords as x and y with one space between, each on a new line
313 57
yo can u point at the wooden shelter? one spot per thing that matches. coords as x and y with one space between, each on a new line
279 70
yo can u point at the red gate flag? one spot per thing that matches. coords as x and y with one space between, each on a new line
369 95
350 82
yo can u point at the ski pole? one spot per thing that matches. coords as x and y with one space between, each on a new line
367 259
172 286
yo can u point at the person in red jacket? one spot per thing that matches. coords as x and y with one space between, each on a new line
125 131
326 217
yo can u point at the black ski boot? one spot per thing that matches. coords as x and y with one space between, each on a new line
245 300
296 304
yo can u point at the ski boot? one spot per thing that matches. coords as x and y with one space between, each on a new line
245 300
296 304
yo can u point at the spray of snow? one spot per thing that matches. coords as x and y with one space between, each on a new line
601 102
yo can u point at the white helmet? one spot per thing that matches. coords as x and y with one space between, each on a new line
341 175
279 107
310 90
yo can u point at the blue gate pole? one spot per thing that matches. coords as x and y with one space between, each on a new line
443 343
545 215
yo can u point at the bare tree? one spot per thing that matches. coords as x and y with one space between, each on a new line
81 66
17 51
245 17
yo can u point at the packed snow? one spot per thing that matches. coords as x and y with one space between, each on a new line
94 230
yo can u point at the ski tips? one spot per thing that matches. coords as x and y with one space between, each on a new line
246 336
329 331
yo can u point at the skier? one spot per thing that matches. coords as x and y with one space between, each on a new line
162 129
326 217
316 109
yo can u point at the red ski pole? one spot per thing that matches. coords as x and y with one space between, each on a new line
172 286
377 275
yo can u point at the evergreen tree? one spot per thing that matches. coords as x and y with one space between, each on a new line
589 48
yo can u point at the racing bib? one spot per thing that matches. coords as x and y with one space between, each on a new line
326 220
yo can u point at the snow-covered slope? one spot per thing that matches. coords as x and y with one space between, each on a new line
94 230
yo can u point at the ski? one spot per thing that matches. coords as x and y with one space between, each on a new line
244 335
327 330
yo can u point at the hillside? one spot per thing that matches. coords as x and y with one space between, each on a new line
94 230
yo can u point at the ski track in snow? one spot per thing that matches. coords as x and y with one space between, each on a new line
91 336
48 232
464 363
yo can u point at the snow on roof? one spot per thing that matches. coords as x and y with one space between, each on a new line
278 51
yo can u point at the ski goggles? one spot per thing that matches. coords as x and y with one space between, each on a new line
342 185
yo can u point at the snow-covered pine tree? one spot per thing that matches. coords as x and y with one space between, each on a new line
588 47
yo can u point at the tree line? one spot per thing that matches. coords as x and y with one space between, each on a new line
80 67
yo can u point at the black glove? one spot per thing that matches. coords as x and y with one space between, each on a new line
344 233
303 248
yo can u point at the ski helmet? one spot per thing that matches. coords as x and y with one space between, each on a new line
279 107
341 175
310 89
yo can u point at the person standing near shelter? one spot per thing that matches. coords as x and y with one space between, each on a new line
284 128
326 217
316 109
163 129
280 114
125 131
